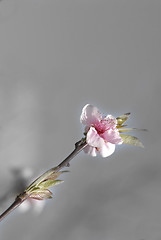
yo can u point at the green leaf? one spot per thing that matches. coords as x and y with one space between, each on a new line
55 175
31 189
41 194
35 189
123 118
128 139
49 175
122 130
130 129
49 183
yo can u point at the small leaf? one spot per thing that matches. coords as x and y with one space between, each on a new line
41 194
130 129
123 118
49 183
31 189
122 130
121 126
35 189
55 175
128 139
49 175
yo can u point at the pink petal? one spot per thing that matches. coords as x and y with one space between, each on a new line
93 139
90 115
90 150
112 122
112 136
107 149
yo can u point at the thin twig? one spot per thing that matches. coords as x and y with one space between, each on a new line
13 206
79 146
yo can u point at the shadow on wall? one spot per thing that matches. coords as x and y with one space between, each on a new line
20 181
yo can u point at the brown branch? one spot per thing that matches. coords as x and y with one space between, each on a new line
13 206
79 146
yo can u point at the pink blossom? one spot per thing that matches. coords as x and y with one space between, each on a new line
101 132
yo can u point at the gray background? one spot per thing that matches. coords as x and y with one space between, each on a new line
56 56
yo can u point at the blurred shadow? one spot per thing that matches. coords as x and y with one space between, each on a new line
18 185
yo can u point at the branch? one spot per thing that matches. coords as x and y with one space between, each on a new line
36 190
13 206
78 147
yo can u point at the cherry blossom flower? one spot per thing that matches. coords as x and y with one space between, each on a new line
101 132
104 132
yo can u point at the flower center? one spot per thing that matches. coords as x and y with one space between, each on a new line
102 126
105 125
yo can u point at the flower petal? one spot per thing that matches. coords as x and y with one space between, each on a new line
112 136
112 122
93 138
90 115
90 150
107 149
